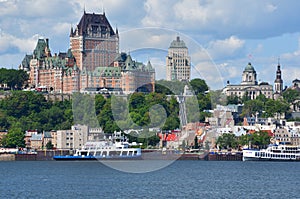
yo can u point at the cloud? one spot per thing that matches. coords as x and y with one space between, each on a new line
11 60
270 7
225 18
210 72
24 45
219 34
229 47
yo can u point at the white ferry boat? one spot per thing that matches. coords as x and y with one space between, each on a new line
103 150
273 152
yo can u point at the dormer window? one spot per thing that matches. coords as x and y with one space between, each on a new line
94 29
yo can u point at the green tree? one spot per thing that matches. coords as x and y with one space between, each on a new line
14 138
260 139
169 87
24 103
171 123
252 107
227 141
14 79
204 102
291 95
106 118
49 145
198 86
99 103
233 99
217 97
3 121
273 107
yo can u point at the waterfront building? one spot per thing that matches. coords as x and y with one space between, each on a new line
36 141
27 138
287 136
73 138
50 136
96 134
178 62
249 86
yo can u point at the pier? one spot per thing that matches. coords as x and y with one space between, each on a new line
225 157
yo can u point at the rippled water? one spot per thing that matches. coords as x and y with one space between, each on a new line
182 179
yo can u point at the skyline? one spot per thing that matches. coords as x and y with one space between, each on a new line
222 37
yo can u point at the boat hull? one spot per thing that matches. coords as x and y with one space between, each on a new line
268 159
93 158
273 153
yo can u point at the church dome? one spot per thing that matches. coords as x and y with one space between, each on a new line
249 67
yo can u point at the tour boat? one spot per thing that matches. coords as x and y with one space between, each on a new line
273 152
103 150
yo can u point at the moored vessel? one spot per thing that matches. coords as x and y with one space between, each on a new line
273 152
103 150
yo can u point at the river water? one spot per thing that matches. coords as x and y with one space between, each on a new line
180 179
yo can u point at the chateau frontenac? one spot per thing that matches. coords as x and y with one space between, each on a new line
93 63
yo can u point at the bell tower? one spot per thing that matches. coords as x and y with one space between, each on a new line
278 83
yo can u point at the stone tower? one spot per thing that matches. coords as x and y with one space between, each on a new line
94 43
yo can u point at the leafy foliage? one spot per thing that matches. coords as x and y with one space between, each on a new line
169 87
227 141
14 79
291 95
49 145
30 110
198 86
265 107
259 139
14 138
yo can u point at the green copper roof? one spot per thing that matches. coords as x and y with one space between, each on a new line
26 61
129 64
106 71
39 51
249 67
178 43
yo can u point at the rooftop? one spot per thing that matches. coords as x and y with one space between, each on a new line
178 43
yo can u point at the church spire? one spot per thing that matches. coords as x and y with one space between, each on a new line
278 83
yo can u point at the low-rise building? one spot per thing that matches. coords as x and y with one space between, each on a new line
50 136
287 135
27 138
74 138
36 141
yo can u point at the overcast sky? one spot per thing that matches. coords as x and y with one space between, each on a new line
222 36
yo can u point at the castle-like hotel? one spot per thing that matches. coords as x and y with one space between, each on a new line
93 63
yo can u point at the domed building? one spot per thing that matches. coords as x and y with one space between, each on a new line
249 85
